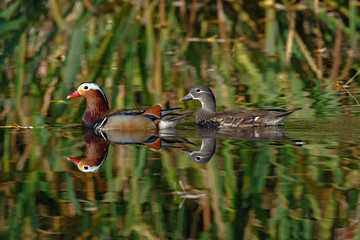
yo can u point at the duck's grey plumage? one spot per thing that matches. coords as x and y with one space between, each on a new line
206 151
208 117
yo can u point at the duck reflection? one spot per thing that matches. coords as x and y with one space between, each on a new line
208 137
96 152
206 151
97 144
268 133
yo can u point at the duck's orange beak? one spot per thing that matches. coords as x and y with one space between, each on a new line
74 94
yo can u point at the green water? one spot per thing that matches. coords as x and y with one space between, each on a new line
297 181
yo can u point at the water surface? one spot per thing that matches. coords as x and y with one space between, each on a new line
297 181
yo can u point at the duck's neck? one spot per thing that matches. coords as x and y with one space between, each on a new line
96 148
208 106
97 107
208 146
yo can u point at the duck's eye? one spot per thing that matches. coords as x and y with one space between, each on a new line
198 158
86 168
197 90
86 87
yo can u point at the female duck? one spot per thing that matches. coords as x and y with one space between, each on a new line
207 116
98 114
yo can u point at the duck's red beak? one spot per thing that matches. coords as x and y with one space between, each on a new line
74 160
74 94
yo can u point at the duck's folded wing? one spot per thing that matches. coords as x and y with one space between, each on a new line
244 118
229 119
138 112
126 112
270 116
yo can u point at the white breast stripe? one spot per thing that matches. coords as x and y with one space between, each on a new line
99 132
100 124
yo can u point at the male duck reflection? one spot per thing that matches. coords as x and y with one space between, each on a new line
96 152
97 144
207 116
99 116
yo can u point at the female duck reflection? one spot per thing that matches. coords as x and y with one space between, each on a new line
97 144
206 151
208 137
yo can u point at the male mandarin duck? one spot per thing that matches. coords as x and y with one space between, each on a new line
208 117
99 116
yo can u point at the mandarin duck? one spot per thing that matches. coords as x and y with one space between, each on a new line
239 118
99 116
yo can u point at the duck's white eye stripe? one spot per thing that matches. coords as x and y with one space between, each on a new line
88 86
